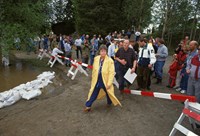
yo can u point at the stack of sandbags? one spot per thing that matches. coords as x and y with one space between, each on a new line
26 91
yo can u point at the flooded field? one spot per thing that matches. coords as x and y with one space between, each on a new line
19 72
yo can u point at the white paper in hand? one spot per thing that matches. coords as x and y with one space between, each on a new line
130 77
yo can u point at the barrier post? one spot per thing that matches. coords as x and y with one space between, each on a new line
53 59
189 111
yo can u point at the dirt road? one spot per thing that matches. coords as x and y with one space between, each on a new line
59 112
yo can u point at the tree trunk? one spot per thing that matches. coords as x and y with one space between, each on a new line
183 31
196 19
165 20
194 23
199 39
170 41
141 11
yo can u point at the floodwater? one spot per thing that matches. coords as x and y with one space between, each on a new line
19 72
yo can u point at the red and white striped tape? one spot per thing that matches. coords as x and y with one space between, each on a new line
178 97
191 114
83 64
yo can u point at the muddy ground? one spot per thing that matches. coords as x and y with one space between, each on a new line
59 112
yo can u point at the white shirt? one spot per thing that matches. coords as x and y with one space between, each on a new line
56 51
78 42
148 53
137 33
130 46
111 50
67 47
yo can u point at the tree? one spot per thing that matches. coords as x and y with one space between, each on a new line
62 17
174 18
139 11
62 11
98 16
23 19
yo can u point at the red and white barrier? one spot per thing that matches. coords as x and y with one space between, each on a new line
75 64
78 67
83 64
43 53
53 60
192 111
178 97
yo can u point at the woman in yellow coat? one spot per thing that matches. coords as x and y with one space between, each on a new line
102 80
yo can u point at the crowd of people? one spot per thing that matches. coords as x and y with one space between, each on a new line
145 57
184 73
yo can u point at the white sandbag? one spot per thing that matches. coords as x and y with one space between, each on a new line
26 91
10 98
1 104
30 94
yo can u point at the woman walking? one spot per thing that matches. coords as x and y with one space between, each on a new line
102 80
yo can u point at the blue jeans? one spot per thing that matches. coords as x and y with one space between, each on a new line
91 59
95 94
159 69
184 80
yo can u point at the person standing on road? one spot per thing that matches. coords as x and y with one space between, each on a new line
78 43
86 51
137 35
127 59
111 49
93 48
161 56
68 52
193 69
146 60
102 80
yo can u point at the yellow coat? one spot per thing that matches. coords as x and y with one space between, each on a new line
108 72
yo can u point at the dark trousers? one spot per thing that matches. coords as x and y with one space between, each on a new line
121 79
143 77
78 48
85 60
95 94
68 55
117 69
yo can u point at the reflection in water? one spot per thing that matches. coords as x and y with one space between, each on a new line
18 65
16 74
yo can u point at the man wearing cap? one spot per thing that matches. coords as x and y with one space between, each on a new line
193 69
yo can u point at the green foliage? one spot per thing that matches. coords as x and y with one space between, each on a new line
23 19
98 16
62 11
179 17
103 16
138 12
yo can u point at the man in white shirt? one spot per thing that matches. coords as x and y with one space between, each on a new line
111 49
78 43
146 60
56 51
137 35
